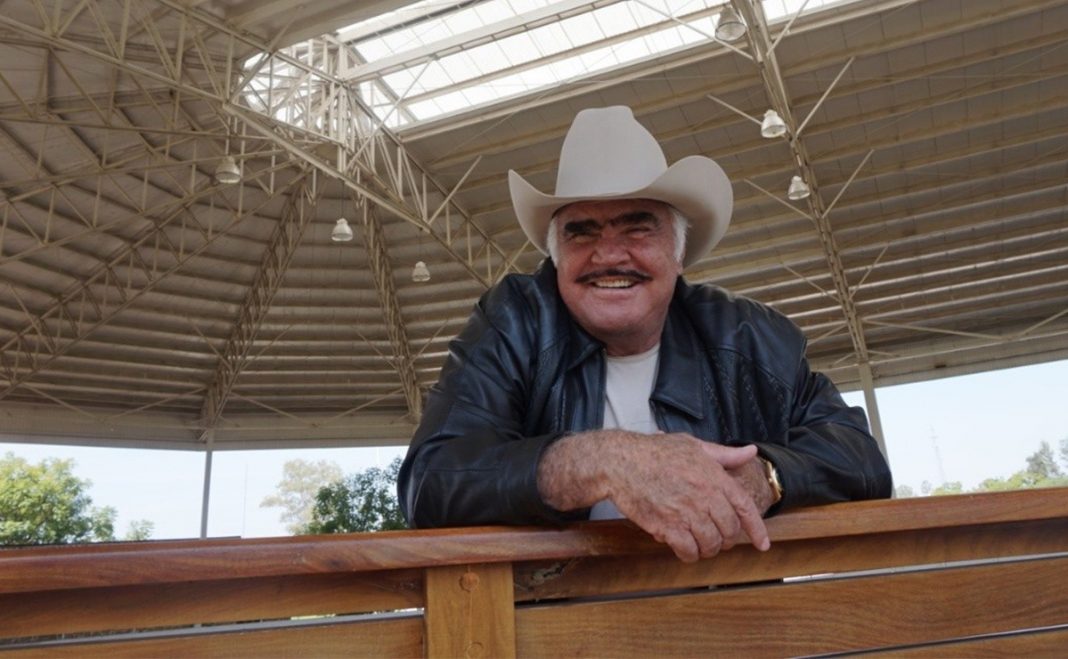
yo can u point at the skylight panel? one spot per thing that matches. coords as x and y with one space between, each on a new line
460 22
402 40
672 7
523 62
522 47
403 81
633 49
463 66
536 78
520 7
664 40
373 49
602 58
582 29
435 76
615 19
567 69
493 12
451 103
550 39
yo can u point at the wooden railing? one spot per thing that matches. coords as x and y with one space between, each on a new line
942 576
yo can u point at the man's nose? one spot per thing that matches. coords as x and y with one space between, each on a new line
610 249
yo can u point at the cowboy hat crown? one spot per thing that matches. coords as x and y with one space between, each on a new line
606 155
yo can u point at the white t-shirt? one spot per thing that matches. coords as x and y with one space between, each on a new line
628 384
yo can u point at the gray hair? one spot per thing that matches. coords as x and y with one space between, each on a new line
680 224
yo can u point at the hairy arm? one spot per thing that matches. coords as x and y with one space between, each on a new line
694 496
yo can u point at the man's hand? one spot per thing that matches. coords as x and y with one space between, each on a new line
677 488
754 480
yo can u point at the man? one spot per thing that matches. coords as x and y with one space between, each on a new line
604 385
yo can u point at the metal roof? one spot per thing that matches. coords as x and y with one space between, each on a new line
144 303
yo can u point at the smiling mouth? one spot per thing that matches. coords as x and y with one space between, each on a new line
614 278
613 283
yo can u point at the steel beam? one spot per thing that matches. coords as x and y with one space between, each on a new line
116 284
298 95
382 274
288 234
760 42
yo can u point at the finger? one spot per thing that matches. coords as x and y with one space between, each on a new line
683 544
710 541
730 457
748 516
727 521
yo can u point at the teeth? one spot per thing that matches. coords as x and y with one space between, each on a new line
613 283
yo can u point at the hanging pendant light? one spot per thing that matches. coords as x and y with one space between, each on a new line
227 172
420 273
342 233
798 189
729 27
773 125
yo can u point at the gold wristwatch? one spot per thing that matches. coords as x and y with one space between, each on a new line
772 474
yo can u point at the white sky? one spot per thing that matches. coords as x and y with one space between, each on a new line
981 425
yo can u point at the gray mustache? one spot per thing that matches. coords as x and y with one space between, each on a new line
612 272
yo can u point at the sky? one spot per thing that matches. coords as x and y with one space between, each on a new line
965 429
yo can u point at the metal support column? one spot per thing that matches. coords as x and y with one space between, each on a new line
208 453
872 404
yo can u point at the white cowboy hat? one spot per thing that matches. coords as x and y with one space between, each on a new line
607 154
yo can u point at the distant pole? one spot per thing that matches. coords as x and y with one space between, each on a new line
208 452
868 384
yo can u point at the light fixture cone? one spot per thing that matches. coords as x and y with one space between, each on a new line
730 27
420 272
341 233
773 125
227 172
798 189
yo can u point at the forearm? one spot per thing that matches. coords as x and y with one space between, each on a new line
479 478
572 474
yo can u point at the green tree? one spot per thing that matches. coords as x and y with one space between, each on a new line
1042 471
45 503
1064 452
904 492
139 529
956 487
1042 464
295 493
365 501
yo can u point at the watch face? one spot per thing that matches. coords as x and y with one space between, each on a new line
772 474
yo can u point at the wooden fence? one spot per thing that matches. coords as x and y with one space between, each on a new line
970 575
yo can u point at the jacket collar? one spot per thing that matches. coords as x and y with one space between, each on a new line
679 367
579 345
680 380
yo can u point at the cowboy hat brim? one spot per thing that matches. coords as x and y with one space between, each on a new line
696 186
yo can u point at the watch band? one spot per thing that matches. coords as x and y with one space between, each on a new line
772 474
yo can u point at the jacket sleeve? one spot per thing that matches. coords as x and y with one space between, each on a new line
469 462
828 454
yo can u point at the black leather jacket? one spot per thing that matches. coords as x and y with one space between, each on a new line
522 374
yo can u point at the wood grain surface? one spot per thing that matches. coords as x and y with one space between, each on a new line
469 611
120 564
372 639
946 569
540 580
231 600
1033 643
838 615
